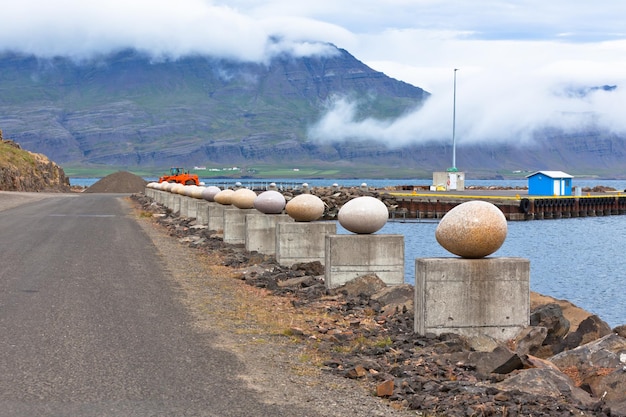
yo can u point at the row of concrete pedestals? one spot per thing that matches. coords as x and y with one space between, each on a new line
464 296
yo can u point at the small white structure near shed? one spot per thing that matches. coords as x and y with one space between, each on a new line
554 183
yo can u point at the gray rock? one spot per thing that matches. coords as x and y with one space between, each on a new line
546 381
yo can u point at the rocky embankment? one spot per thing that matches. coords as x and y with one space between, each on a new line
21 170
568 362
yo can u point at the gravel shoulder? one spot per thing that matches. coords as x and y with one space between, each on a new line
276 364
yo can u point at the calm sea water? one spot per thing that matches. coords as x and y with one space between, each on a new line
577 259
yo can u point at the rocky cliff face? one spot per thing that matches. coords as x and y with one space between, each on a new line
21 170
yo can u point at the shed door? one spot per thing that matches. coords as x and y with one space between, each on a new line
557 188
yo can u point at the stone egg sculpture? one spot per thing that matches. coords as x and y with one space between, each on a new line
270 202
224 197
209 192
474 229
197 192
363 215
177 189
188 190
243 198
305 208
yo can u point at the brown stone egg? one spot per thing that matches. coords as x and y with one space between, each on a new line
243 198
224 197
305 208
474 229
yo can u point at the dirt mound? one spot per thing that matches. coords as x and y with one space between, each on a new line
119 182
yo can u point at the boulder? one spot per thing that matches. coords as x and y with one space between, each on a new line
551 317
530 339
364 285
590 329
395 298
546 381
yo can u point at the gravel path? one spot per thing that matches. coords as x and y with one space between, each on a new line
273 363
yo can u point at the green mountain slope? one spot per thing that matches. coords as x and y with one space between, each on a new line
124 109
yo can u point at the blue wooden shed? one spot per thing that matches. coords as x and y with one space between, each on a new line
549 183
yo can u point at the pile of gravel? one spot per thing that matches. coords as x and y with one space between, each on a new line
119 182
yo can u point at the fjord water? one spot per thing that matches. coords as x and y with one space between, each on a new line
580 259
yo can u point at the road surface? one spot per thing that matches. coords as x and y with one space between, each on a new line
90 324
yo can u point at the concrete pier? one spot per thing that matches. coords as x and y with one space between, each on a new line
261 231
489 296
350 256
235 225
302 241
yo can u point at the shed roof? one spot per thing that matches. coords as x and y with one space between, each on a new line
551 174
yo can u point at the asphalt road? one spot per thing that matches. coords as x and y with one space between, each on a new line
90 324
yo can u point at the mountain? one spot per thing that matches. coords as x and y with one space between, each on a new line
127 110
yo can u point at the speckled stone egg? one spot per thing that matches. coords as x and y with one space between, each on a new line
243 198
224 197
305 208
363 215
270 202
474 229
209 192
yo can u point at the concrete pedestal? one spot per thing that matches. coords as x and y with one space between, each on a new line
489 296
235 225
216 216
261 231
298 242
184 206
351 256
175 202
202 212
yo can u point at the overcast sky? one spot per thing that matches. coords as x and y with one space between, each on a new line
519 61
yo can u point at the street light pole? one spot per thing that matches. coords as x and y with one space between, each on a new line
454 125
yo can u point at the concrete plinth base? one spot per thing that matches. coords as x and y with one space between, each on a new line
175 202
261 231
202 212
184 206
216 216
235 225
192 207
302 241
489 296
351 256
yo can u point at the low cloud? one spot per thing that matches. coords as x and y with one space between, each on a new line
488 109
161 28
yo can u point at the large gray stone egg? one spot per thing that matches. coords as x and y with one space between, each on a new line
224 197
270 202
243 198
305 208
363 215
474 229
209 192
